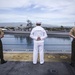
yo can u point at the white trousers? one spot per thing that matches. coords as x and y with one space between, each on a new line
38 48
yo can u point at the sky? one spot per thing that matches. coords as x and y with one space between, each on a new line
54 12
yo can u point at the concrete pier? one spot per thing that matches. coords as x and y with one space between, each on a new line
21 64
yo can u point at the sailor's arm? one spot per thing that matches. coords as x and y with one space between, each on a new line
32 35
71 33
1 34
45 35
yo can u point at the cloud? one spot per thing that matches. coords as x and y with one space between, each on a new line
7 4
47 11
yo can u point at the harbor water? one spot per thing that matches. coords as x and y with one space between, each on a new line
23 43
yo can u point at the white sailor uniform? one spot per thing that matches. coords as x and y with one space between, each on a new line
36 32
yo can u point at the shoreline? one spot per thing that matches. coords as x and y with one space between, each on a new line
50 33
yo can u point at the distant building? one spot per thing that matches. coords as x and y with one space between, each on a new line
29 25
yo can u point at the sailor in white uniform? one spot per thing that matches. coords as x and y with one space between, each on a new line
38 34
